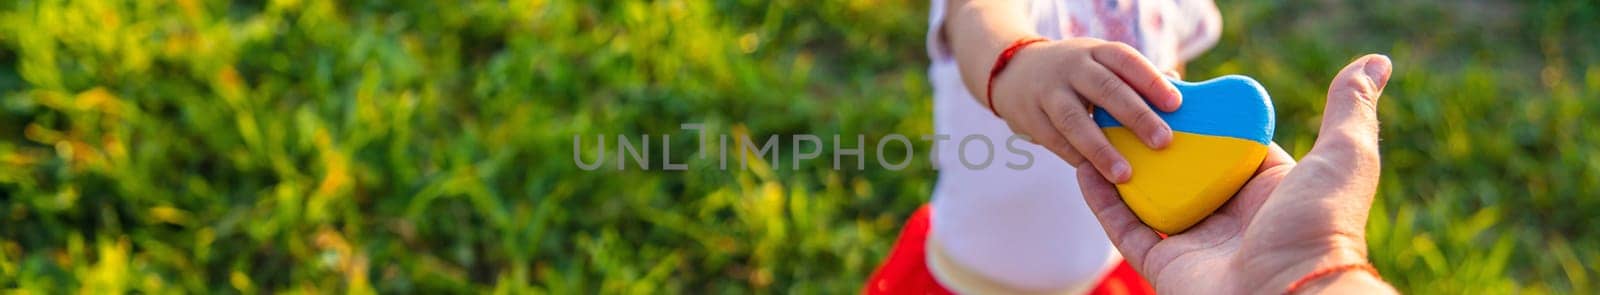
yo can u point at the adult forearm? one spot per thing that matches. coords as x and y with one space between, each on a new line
977 30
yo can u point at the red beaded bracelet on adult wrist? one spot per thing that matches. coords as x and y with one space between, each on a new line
1000 65
1295 287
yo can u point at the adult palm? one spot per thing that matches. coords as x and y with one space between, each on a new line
1289 220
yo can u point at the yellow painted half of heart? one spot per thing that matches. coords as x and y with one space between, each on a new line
1168 192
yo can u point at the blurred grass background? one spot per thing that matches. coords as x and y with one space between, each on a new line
423 146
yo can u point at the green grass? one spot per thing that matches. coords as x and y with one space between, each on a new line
415 146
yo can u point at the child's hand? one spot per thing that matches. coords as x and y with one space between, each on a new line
1047 90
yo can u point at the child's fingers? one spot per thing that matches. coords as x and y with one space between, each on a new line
1175 75
1106 90
1138 72
1039 131
1072 121
1126 232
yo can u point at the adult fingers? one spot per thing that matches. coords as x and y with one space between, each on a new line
1126 232
1072 121
1329 192
1103 88
1138 72
1248 201
1276 156
1349 132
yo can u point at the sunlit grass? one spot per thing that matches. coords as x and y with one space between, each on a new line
418 146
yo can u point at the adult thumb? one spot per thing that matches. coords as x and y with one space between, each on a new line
1349 132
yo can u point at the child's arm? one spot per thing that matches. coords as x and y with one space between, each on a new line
1047 88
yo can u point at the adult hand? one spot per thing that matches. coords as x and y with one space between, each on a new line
1289 220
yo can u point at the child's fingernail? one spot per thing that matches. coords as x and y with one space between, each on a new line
1120 172
1160 139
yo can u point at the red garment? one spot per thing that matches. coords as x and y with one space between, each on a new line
906 269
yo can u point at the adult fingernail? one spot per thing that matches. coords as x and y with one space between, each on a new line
1120 172
1378 69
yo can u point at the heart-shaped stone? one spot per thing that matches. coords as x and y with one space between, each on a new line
1220 135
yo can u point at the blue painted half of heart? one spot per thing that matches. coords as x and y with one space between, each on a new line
1232 106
